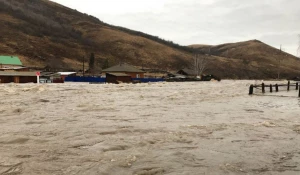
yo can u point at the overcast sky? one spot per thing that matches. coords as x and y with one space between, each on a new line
186 22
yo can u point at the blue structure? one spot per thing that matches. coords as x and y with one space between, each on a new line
148 80
86 79
103 80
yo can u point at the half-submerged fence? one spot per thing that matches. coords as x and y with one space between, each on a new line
274 88
85 79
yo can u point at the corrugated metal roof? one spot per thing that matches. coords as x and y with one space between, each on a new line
12 68
10 60
50 74
123 68
119 74
19 74
66 73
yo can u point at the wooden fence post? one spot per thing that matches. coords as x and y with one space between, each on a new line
271 88
288 88
299 91
263 87
297 86
251 89
276 85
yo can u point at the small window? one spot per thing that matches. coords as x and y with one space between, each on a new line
137 75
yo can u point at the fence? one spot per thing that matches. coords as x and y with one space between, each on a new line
103 80
147 80
86 79
263 87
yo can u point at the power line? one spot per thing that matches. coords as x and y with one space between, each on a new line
298 51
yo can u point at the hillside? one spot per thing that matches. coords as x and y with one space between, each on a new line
45 34
257 58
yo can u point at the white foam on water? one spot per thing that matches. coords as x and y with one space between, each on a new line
152 128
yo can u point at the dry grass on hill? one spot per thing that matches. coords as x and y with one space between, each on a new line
43 33
256 58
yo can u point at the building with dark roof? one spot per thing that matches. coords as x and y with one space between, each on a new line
187 72
125 69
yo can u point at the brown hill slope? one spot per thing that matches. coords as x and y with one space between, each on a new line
44 33
257 58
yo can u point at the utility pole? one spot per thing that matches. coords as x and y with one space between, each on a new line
83 66
279 62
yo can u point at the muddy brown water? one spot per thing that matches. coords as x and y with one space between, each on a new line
148 129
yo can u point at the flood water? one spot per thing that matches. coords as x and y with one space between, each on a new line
148 129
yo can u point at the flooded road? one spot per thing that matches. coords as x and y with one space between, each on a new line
148 129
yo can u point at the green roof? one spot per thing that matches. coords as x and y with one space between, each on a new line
10 60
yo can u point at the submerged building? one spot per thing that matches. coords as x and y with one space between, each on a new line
127 69
17 77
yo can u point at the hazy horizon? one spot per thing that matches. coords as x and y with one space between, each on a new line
211 22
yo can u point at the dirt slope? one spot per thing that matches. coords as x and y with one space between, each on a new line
45 33
256 58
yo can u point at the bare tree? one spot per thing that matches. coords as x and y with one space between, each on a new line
92 63
279 60
83 68
200 64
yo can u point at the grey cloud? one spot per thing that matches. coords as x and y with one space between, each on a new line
193 22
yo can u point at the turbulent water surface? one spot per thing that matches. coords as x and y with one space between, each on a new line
148 129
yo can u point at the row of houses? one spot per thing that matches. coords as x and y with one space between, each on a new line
31 77
13 71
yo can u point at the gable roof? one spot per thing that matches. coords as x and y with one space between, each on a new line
119 74
11 60
187 71
123 68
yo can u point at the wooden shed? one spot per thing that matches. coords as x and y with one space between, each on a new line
17 77
117 78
